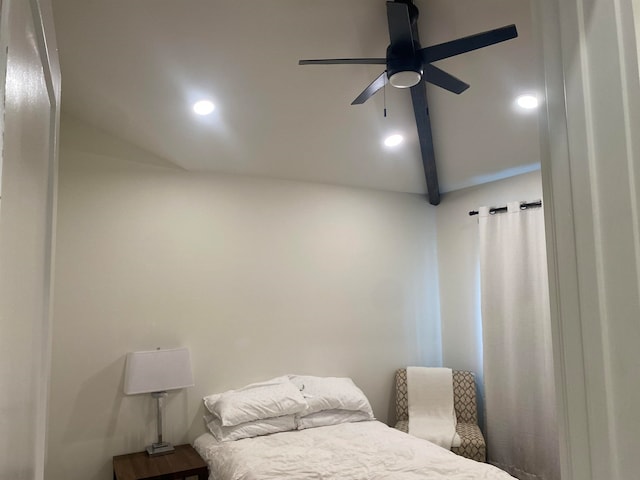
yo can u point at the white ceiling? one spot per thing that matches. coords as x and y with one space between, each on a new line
134 67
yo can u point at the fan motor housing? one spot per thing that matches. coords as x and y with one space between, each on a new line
403 71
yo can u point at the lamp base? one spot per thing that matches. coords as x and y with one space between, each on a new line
157 449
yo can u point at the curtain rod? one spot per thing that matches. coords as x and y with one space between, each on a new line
523 206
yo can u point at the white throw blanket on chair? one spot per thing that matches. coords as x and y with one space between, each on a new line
431 412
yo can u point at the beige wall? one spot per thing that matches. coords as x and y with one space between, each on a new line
458 258
257 277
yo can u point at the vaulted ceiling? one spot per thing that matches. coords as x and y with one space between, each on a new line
134 69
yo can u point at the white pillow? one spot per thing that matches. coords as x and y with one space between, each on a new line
210 400
273 398
332 417
249 429
331 393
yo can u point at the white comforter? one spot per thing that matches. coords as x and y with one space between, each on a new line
350 451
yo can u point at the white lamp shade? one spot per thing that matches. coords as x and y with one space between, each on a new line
157 371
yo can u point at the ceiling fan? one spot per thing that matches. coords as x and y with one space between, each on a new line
408 65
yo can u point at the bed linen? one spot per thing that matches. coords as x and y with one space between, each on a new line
256 428
350 451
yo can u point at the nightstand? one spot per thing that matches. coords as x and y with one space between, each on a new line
183 463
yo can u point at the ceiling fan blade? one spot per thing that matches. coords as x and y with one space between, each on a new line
423 123
345 61
400 33
467 44
443 79
368 92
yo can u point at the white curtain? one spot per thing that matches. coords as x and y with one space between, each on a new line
518 371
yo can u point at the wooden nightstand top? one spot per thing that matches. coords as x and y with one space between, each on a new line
184 462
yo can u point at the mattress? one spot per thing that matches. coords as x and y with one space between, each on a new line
349 451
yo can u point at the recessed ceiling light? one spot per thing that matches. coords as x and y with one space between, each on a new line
528 101
393 140
203 107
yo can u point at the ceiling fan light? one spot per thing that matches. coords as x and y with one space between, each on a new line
405 79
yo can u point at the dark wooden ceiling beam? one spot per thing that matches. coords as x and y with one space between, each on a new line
423 124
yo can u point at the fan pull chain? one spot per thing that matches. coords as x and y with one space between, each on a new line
384 95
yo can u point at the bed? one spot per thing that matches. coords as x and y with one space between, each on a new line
349 451
304 427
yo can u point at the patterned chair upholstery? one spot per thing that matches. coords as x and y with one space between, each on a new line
473 445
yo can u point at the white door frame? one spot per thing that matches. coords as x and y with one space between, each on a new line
47 46
590 184
42 17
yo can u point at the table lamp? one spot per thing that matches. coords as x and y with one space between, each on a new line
155 372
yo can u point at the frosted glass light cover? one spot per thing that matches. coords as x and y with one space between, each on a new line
405 79
157 371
